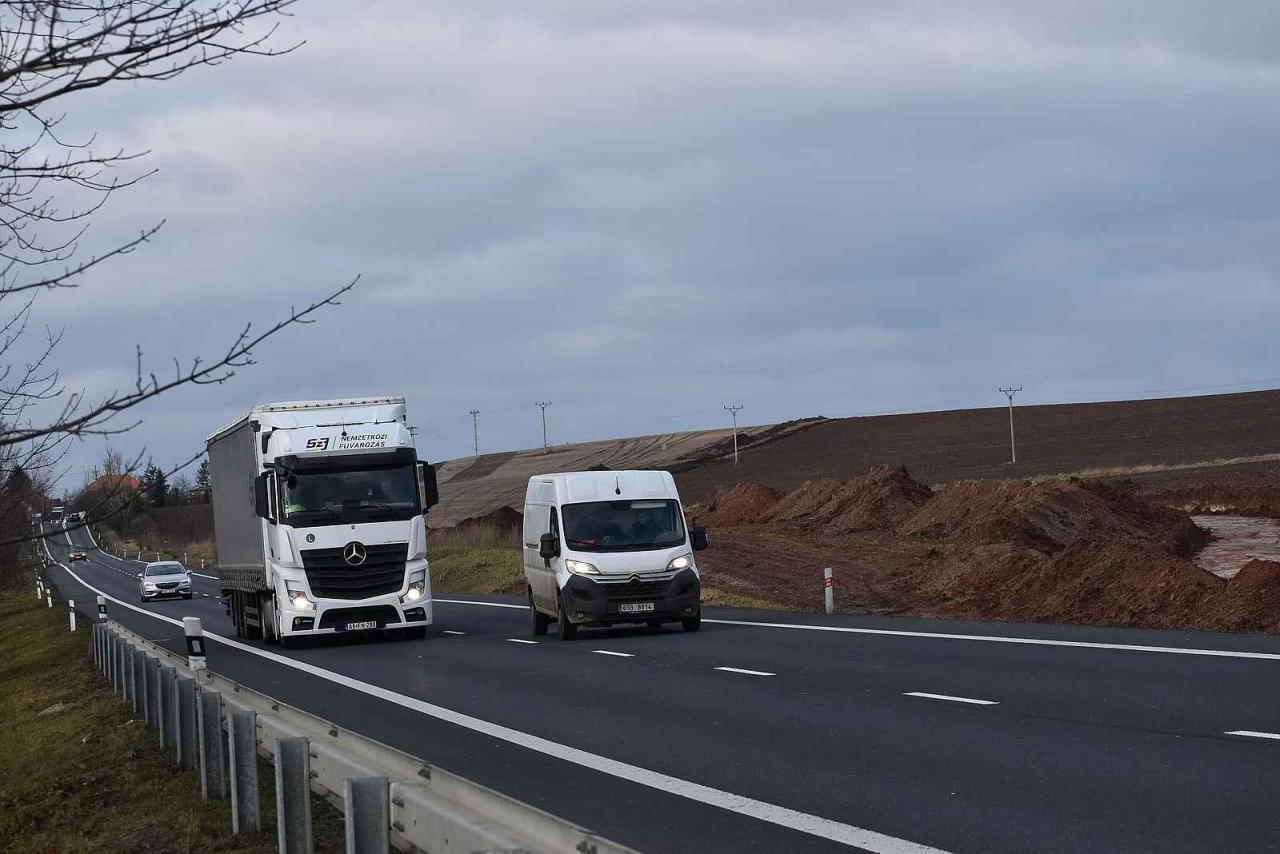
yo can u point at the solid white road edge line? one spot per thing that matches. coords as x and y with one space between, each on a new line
453 632
1124 647
813 825
611 652
519 640
1248 733
949 698
746 672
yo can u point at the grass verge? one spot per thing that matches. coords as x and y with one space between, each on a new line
78 773
465 569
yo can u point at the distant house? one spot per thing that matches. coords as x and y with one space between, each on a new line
108 484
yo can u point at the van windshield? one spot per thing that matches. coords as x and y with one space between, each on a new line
600 526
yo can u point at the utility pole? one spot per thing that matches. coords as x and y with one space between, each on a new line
475 428
1013 448
734 410
543 406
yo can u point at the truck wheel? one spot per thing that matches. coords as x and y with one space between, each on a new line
270 627
568 631
692 624
537 621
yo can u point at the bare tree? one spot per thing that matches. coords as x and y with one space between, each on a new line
50 186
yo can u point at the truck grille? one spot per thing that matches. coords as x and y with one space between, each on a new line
331 577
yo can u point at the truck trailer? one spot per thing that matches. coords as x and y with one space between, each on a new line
319 519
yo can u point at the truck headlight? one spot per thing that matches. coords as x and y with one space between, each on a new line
578 567
417 586
298 598
682 562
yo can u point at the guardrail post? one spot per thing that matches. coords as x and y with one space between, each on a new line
71 613
293 794
139 684
368 815
168 707
111 658
213 774
152 683
126 669
93 644
188 750
243 729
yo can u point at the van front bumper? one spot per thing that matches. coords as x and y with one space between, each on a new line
589 602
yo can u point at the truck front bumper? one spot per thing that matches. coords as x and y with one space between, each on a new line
331 617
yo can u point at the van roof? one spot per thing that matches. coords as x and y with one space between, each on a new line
603 485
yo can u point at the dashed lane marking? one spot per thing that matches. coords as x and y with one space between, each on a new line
745 672
927 696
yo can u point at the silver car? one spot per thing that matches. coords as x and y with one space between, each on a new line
165 578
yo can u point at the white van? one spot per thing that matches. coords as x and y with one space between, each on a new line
607 547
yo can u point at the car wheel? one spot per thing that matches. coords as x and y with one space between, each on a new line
186 596
538 622
692 624
568 631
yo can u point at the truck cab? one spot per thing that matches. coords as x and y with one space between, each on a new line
319 520
609 547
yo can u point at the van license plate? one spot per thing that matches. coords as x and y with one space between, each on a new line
635 607
367 624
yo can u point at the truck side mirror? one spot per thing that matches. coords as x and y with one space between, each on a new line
698 537
428 490
262 496
548 547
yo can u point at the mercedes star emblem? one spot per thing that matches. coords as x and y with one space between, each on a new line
354 553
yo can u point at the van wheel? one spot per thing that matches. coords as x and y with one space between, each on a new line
538 622
568 631
692 624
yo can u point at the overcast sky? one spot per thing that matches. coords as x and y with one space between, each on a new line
643 211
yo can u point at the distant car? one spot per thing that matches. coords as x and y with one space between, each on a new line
163 579
76 554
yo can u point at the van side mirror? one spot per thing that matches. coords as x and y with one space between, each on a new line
548 547
698 538
428 490
262 496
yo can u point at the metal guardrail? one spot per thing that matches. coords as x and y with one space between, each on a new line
219 727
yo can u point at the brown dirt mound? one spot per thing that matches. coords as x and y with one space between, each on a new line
743 504
882 498
1049 516
807 505
1249 602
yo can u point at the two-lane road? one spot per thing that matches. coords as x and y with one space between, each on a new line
783 732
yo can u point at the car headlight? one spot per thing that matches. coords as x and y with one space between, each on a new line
417 586
578 567
147 585
298 598
682 562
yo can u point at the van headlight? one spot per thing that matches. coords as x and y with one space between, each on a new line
298 598
578 567
417 586
682 562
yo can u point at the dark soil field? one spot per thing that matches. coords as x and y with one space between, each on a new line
1131 439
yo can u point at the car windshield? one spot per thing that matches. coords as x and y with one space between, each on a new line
165 569
623 525
353 494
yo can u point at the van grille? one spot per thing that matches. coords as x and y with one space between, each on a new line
330 576
636 589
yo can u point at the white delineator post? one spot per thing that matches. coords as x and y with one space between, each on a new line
71 613
195 643
827 590
48 595
102 609
39 589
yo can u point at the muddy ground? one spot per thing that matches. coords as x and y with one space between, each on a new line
1064 550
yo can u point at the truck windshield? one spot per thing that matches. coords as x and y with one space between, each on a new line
598 526
355 494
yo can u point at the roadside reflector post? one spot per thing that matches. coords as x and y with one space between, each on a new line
293 794
213 770
39 589
102 609
187 751
827 590
49 598
243 730
195 644
71 613
367 805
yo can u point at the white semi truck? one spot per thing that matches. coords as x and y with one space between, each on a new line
318 510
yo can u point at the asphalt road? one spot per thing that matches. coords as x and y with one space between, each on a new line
785 732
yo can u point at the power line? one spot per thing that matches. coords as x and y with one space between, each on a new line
734 409
1013 448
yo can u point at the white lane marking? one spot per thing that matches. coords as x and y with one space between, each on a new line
519 640
611 652
1248 733
901 633
813 825
202 575
452 632
746 672
949 698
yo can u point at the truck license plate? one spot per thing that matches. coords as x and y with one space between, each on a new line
635 607
367 624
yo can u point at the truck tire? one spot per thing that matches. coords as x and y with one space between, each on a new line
568 631
270 625
538 621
